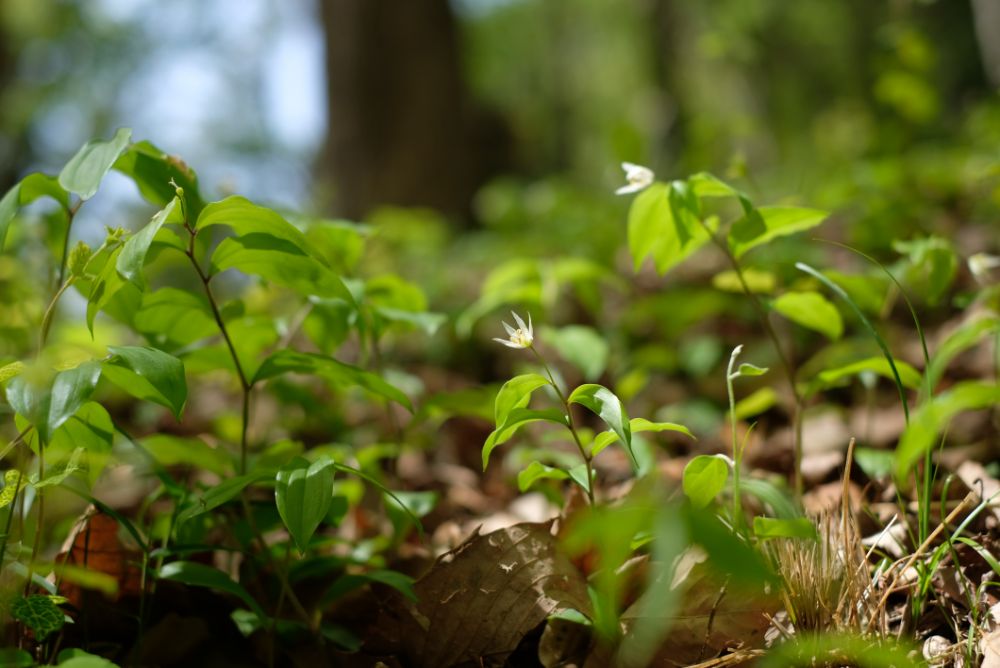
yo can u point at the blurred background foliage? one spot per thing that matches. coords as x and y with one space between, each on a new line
480 140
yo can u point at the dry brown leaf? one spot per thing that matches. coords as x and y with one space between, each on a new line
94 544
479 601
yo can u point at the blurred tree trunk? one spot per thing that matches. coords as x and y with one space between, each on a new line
403 128
987 21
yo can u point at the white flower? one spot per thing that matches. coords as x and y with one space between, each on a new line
522 337
638 178
981 264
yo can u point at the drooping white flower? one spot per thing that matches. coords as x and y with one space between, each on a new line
981 264
521 337
638 178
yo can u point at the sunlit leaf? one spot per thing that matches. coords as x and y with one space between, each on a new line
812 310
84 172
770 222
704 478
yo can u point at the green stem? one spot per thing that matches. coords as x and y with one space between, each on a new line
571 425
50 312
786 362
70 215
37 540
245 383
737 454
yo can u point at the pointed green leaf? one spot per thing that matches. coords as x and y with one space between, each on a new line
303 494
517 418
516 393
799 527
769 222
606 438
812 310
148 374
200 575
909 376
47 400
933 417
85 170
225 491
170 450
602 402
966 336
536 471
747 369
13 482
31 187
653 229
291 361
704 479
157 176
133 254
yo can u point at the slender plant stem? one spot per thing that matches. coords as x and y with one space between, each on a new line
70 215
587 458
36 542
786 362
50 312
737 453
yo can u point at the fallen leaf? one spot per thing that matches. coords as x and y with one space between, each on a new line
478 601
94 545
990 648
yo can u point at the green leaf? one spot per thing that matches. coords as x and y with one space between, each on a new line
84 172
15 658
812 310
875 463
104 287
516 393
769 222
654 230
291 361
406 508
536 471
704 478
279 261
602 402
200 575
636 425
746 369
39 614
799 527
31 187
133 254
516 419
48 400
13 482
155 174
578 474
90 428
583 347
934 415
909 376
171 316
170 450
963 338
225 491
148 374
303 494
8 371
57 475
756 403
77 658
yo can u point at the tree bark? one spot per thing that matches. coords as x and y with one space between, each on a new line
403 128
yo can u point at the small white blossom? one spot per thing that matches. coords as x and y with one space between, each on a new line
638 178
521 337
981 264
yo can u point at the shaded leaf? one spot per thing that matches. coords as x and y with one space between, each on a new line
133 254
148 374
291 361
516 419
303 494
39 614
200 575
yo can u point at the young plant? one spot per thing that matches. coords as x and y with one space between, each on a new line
512 413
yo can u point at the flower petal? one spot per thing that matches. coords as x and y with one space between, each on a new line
519 321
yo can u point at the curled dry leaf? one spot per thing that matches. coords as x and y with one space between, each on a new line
94 545
478 601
